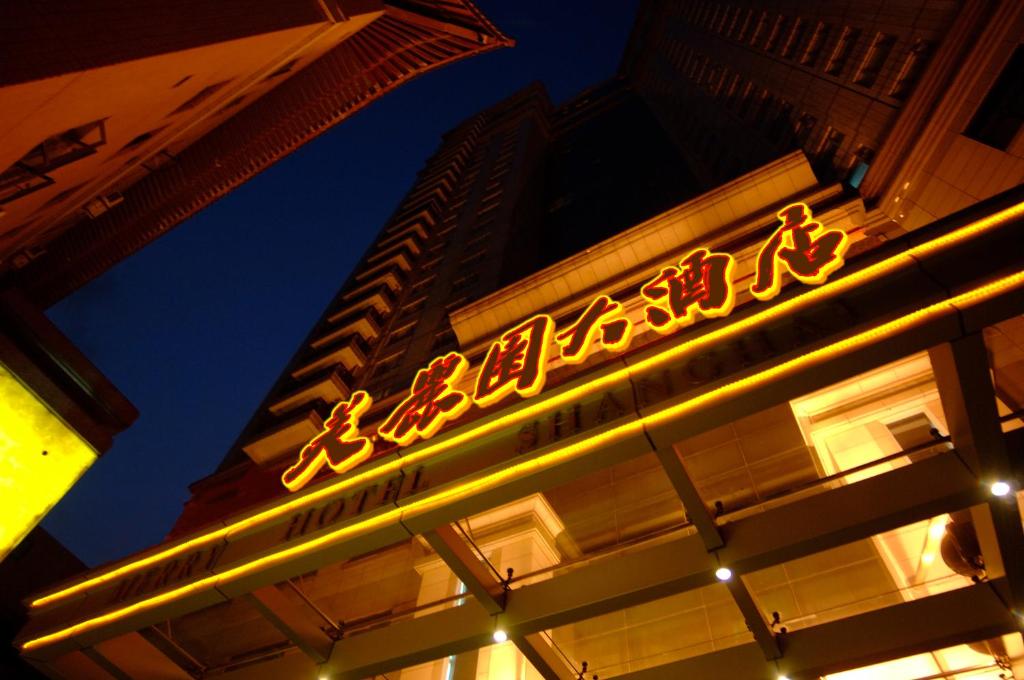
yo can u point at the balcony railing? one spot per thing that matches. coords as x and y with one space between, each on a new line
410 242
366 323
392 278
420 229
403 220
284 437
349 352
401 259
381 299
330 385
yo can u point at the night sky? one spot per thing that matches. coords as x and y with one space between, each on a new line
195 328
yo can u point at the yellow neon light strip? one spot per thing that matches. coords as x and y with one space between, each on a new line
565 453
528 412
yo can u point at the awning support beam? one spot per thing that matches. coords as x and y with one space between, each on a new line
491 593
707 529
294 622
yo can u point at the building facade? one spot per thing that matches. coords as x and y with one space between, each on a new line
828 78
880 93
120 121
595 403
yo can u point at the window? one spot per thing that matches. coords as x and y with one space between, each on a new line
723 21
869 69
430 266
472 258
458 303
401 333
478 239
139 140
421 286
466 282
778 29
859 165
745 27
444 342
841 52
54 200
734 22
999 118
398 340
745 100
486 208
719 81
481 226
814 45
759 30
796 36
911 69
915 433
829 147
702 63
411 310
712 17
764 106
804 125
729 92
199 97
779 129
285 68
28 174
386 368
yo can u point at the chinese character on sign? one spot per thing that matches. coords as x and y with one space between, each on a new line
338 445
702 283
807 250
602 319
431 403
517 362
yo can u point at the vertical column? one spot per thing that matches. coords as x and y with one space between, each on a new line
969 403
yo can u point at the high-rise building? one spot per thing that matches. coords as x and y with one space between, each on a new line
120 120
867 88
740 83
595 402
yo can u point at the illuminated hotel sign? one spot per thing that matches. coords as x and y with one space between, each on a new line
701 285
614 413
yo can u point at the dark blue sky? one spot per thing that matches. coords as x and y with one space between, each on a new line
195 328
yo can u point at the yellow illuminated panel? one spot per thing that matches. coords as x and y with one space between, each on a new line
561 454
528 412
40 459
